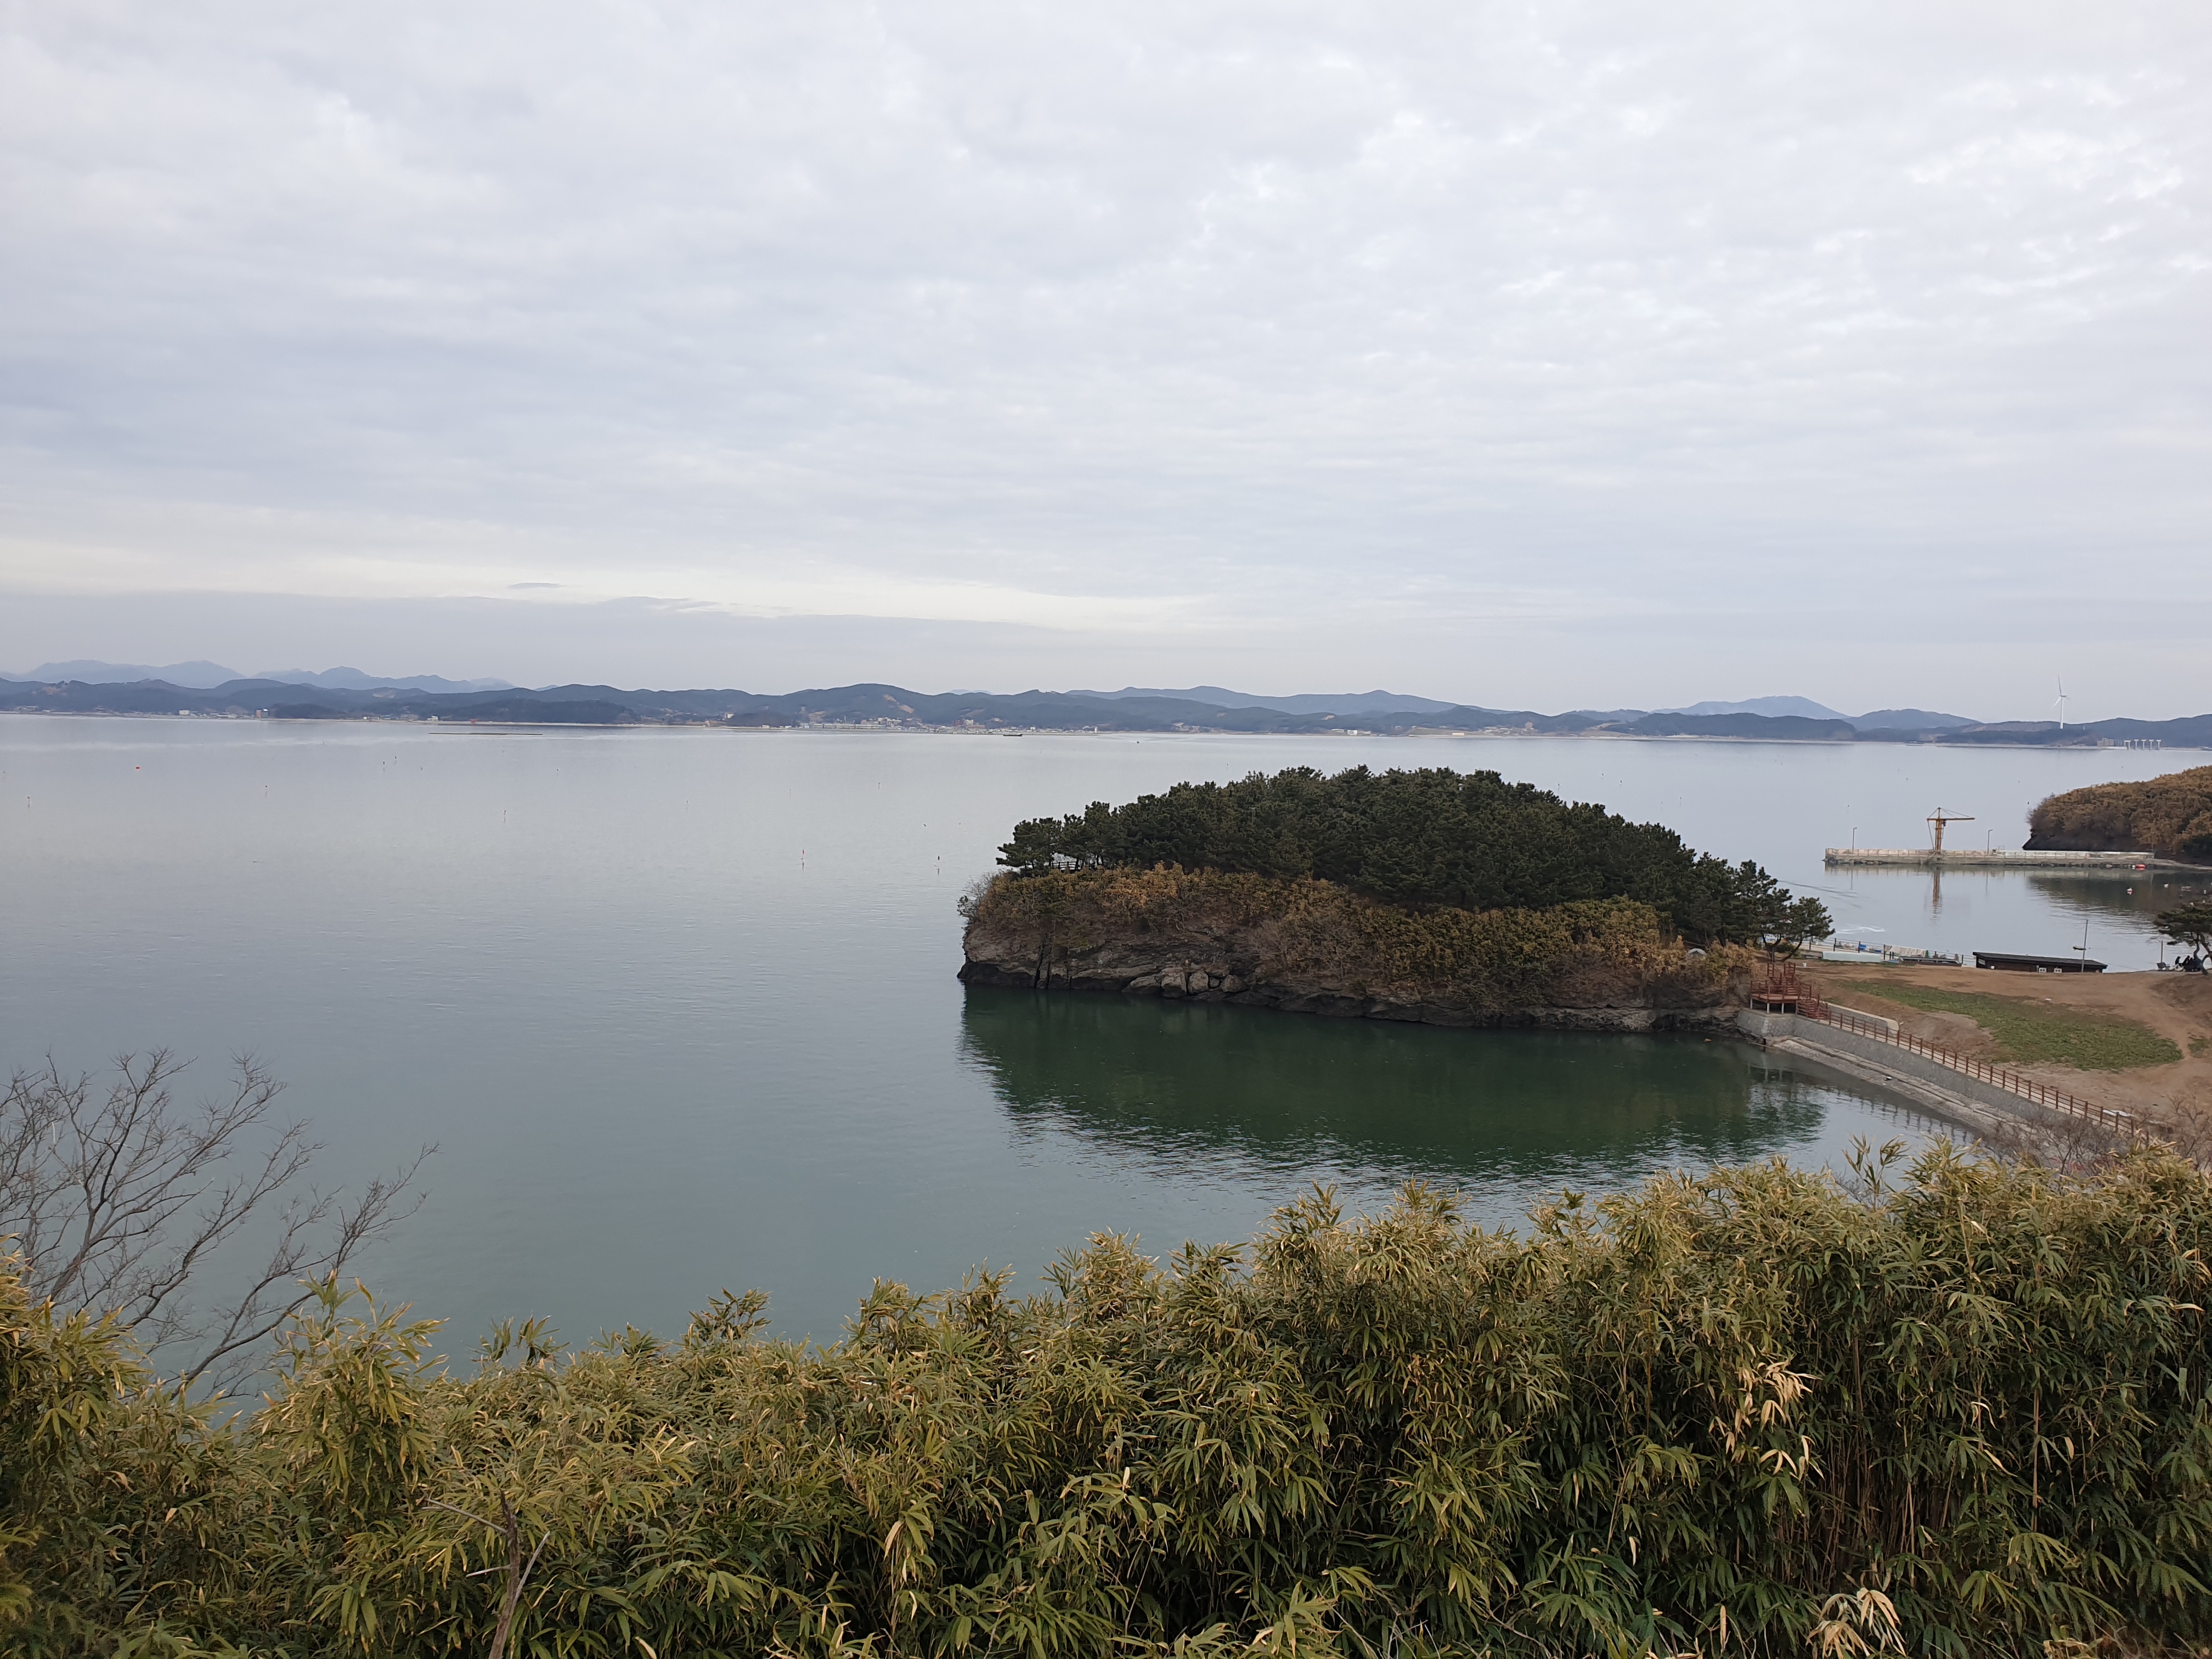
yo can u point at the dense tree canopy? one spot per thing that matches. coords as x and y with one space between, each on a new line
1420 838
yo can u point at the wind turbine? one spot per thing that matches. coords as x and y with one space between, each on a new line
2060 705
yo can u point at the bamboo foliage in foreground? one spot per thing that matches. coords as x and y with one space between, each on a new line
1958 1409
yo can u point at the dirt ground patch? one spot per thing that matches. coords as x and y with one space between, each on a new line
2176 1007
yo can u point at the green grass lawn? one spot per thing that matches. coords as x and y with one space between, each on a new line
2040 1033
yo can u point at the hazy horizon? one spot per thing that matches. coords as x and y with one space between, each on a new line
1581 357
202 674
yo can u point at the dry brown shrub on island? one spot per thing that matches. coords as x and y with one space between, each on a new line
1589 953
2171 817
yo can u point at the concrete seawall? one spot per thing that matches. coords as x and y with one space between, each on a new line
1981 1107
1998 858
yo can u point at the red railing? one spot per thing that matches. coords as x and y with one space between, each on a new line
2027 1088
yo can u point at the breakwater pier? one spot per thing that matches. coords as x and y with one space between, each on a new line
1996 858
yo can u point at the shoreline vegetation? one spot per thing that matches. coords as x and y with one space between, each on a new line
1434 895
889 707
1957 1407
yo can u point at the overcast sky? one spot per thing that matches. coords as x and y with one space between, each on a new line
1534 355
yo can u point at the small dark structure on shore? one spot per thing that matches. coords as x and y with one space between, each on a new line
2012 964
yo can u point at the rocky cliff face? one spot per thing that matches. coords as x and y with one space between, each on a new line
1306 947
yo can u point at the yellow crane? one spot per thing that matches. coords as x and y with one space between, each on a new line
1939 818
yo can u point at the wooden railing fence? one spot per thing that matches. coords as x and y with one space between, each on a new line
2001 1076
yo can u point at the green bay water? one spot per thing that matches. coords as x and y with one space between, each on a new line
678 1007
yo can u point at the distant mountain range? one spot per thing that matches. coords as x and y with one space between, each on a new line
199 675
352 679
1306 702
334 696
1879 720
206 676
1398 702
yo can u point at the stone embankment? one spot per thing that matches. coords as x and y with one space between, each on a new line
1998 858
1987 1109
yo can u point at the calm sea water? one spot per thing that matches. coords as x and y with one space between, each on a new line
679 1009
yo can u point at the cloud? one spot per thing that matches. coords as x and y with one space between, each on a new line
1188 322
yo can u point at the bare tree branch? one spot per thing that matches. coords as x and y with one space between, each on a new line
117 1204
297 1260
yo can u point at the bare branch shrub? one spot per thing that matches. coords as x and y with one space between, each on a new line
2061 1143
2183 1122
116 1202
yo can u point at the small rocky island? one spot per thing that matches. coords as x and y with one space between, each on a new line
1431 895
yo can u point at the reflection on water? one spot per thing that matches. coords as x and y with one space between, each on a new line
1252 1095
2130 900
